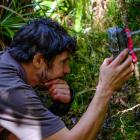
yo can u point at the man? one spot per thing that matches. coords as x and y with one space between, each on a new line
39 55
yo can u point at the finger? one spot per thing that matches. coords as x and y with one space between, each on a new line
126 63
55 81
128 76
58 86
120 58
59 91
52 94
63 98
127 71
107 61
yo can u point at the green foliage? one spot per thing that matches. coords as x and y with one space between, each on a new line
133 14
13 16
113 15
92 48
127 127
79 15
56 9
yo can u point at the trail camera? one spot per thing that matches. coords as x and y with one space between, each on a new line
117 40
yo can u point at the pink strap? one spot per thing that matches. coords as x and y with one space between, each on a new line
130 45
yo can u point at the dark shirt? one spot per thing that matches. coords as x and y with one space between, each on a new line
19 100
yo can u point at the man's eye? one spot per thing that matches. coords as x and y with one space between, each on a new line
66 61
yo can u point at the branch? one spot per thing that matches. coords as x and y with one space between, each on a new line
127 110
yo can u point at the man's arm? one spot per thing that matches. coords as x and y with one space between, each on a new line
89 125
112 76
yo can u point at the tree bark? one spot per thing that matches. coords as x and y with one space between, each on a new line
99 10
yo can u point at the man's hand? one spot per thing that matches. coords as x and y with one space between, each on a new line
59 90
113 73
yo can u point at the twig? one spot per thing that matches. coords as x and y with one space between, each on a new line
85 90
137 74
127 110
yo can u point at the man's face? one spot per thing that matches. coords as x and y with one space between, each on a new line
59 67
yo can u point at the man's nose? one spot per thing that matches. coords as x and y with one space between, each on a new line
66 69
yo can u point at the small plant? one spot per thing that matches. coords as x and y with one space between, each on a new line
13 16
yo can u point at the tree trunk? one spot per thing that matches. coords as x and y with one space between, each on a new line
99 10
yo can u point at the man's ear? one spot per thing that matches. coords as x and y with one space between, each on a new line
38 60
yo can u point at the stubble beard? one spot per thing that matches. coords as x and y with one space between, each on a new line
44 76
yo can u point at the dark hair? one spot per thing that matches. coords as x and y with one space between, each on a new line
41 35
